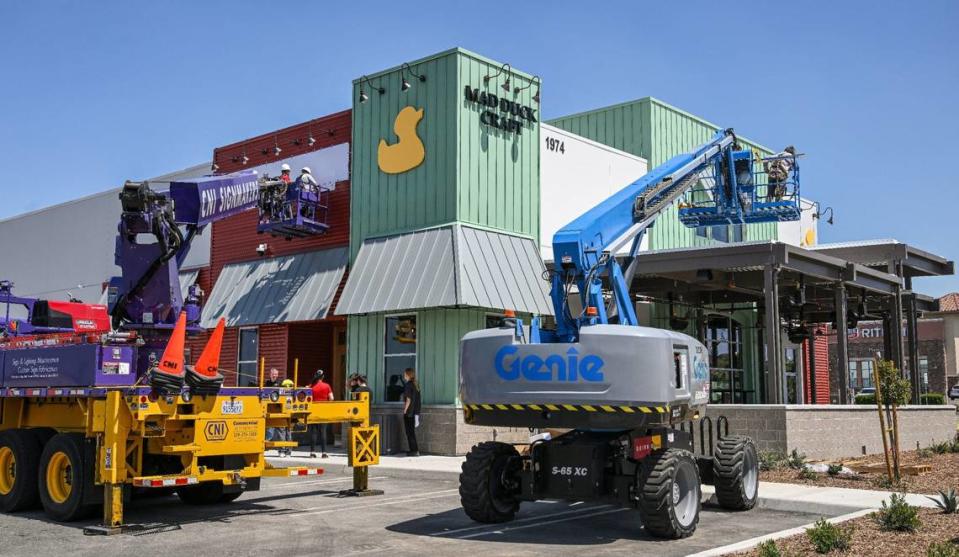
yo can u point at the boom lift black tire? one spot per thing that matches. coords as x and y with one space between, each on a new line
206 493
482 493
670 494
63 476
20 451
736 473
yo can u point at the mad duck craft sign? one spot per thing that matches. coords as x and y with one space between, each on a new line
408 152
500 112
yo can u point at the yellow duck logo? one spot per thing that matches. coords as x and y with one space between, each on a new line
407 153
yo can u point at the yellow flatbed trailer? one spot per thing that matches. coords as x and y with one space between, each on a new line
71 450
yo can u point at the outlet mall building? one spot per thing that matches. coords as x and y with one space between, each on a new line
447 187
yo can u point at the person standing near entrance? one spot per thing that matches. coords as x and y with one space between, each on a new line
411 410
322 392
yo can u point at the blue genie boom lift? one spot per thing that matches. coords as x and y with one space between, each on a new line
623 390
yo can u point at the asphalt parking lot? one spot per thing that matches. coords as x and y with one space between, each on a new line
413 517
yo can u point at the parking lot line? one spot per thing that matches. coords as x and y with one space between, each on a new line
527 519
315 482
536 524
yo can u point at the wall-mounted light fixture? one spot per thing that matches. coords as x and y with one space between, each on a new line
312 140
214 167
819 213
537 81
406 84
505 85
363 96
276 147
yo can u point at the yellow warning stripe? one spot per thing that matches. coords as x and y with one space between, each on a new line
573 408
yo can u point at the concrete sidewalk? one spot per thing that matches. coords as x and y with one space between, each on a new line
825 501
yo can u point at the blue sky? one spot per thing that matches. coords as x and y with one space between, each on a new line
98 92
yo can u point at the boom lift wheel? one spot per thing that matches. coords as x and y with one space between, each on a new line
485 483
736 473
64 476
670 494
19 460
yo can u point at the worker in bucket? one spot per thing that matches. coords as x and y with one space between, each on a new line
306 181
322 392
285 173
777 170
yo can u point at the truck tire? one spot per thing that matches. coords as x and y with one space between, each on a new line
207 493
736 473
19 460
64 475
482 493
670 494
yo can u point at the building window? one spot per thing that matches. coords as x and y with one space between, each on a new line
924 374
246 364
399 353
791 371
721 233
860 374
724 342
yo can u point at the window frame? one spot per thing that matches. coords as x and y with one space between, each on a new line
385 355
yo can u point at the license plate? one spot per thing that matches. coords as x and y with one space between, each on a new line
231 407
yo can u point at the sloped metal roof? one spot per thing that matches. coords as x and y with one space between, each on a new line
444 267
296 287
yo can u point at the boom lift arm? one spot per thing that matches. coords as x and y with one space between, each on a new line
585 249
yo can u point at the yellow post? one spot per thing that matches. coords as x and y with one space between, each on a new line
262 369
112 462
296 372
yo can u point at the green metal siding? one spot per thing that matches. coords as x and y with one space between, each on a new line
498 171
426 195
657 131
438 334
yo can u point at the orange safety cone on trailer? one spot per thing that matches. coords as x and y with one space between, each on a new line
205 378
209 361
167 376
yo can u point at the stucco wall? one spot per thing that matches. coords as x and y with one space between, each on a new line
833 431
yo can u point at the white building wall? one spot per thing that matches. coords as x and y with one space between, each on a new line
69 247
804 232
576 174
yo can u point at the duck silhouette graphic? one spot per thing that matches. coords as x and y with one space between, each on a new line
408 152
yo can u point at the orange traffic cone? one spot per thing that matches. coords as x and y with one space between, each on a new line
172 361
209 361
167 377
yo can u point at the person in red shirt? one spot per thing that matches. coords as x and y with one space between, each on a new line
285 173
322 392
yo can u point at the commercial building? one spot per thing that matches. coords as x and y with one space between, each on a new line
446 188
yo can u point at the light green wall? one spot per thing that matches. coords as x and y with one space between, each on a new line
657 131
437 350
472 173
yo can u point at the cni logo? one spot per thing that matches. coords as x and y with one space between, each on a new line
555 366
216 431
408 152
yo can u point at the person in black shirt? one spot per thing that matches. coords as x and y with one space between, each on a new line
358 384
411 410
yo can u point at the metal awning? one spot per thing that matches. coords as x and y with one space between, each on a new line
890 256
296 287
446 267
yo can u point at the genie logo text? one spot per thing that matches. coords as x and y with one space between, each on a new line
570 367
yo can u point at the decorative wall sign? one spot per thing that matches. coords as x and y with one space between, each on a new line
407 153
501 113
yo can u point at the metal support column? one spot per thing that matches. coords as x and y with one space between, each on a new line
774 347
912 347
895 330
842 338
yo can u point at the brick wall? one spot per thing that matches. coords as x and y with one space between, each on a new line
934 350
833 431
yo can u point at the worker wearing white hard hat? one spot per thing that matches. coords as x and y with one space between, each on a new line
306 181
285 173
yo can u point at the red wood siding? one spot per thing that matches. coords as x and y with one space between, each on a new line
228 356
328 130
816 363
273 347
312 343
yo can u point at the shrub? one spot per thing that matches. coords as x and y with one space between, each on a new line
924 453
807 474
769 549
942 448
897 516
771 460
834 469
866 399
948 501
943 549
796 460
826 537
932 398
